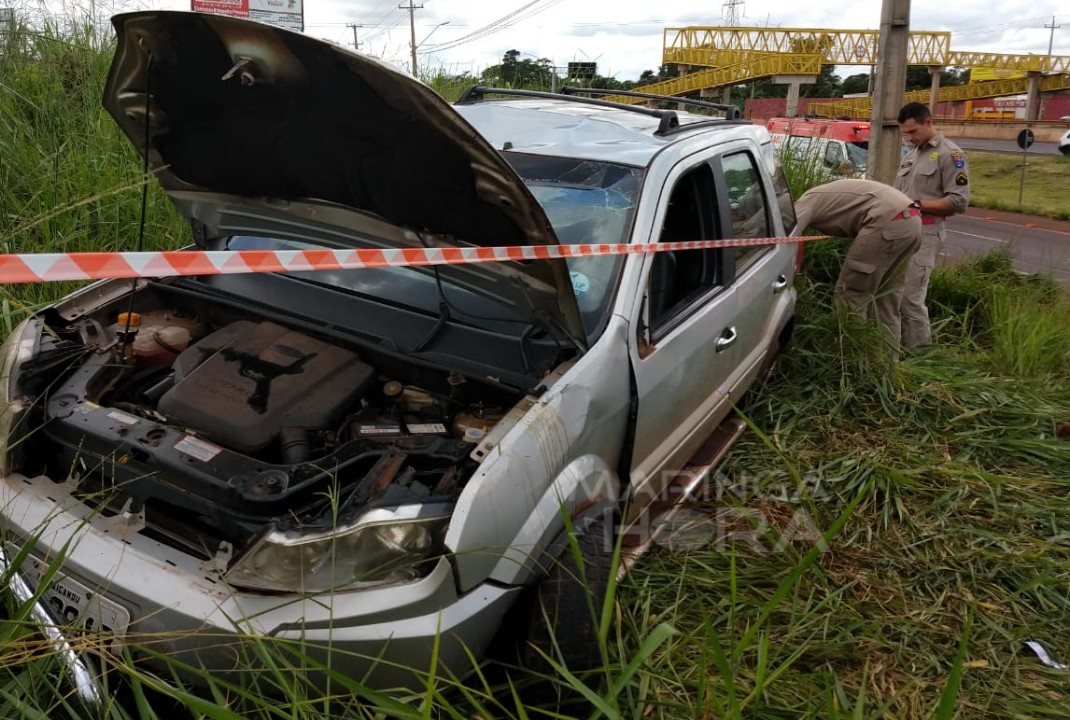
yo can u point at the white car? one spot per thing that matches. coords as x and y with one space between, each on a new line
1064 143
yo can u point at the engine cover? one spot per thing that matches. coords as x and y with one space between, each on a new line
244 383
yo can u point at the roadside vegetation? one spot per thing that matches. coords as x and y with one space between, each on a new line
996 182
880 544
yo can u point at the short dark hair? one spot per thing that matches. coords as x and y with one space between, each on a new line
916 111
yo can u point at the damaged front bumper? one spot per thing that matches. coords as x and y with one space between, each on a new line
179 608
78 668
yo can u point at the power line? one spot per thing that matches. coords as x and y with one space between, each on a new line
387 5
385 27
1022 24
506 21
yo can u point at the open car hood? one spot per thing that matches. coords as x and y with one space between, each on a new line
257 130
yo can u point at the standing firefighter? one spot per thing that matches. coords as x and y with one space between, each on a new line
934 174
886 227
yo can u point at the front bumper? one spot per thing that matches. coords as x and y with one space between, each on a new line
180 607
77 667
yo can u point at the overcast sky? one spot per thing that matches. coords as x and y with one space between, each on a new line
625 36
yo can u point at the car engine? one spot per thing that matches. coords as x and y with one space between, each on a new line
217 426
246 382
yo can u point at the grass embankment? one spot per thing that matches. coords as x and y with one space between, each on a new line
995 179
960 539
945 471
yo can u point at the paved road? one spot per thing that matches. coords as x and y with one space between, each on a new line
1006 146
1039 245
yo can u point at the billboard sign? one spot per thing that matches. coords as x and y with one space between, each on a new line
281 13
582 70
983 74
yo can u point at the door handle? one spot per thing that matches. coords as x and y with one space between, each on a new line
727 339
780 283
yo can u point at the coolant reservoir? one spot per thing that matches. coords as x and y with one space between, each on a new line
173 338
159 345
463 423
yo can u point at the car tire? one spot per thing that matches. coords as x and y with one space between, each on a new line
567 605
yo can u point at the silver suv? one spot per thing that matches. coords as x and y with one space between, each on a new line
360 461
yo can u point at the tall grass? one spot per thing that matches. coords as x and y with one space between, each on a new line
878 546
70 180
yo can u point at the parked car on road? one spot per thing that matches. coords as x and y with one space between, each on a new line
364 460
1064 143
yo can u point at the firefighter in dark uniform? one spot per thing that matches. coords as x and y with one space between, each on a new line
934 174
886 227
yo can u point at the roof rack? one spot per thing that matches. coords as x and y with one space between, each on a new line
668 119
731 112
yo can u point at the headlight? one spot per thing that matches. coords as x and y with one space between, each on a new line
383 546
17 349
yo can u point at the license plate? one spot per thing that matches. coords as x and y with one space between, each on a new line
80 610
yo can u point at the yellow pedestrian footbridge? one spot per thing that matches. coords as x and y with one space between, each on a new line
719 57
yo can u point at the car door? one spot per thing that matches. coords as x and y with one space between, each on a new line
761 274
683 346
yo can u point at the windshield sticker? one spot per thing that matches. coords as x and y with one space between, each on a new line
580 283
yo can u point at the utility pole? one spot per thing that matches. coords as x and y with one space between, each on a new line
1051 36
732 16
412 31
891 71
356 43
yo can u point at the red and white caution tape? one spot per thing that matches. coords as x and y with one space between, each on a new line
50 267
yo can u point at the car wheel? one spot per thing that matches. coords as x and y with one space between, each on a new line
567 605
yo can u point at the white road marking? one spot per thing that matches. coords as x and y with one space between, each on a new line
981 237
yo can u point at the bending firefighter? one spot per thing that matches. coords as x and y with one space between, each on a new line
886 227
934 174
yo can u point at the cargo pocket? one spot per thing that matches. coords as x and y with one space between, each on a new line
898 230
858 267
898 238
857 285
858 277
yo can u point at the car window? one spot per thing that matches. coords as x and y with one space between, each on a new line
780 187
585 202
679 278
397 285
587 215
858 155
833 156
747 202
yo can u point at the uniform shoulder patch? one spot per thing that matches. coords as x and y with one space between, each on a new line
958 159
961 179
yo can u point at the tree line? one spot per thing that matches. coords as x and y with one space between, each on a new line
540 73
